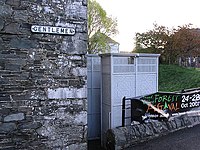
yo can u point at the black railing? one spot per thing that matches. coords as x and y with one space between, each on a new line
124 117
136 107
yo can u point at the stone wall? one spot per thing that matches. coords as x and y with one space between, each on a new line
43 102
126 137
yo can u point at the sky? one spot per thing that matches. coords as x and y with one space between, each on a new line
139 15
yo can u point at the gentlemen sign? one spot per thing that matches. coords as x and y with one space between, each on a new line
52 30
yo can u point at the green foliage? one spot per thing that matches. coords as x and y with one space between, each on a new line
144 50
154 40
98 42
100 26
176 78
171 44
186 41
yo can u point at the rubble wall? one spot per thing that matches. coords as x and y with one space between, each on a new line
126 137
43 102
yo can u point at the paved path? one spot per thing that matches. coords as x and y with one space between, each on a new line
186 139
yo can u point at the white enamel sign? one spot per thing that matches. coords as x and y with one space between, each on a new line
52 30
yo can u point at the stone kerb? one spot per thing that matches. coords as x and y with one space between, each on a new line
126 137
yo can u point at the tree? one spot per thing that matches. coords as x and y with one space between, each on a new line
153 40
99 26
171 44
186 40
186 43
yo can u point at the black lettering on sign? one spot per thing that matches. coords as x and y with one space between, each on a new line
53 30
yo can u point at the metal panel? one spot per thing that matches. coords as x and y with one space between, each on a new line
106 65
146 84
122 85
95 130
127 75
106 89
96 78
147 75
146 65
123 65
94 96
122 75
105 121
116 116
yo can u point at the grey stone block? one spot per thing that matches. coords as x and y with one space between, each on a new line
2 22
13 2
14 117
7 127
5 11
12 28
30 125
23 43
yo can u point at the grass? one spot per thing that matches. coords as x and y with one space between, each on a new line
176 78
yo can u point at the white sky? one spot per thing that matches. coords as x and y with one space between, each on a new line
139 15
